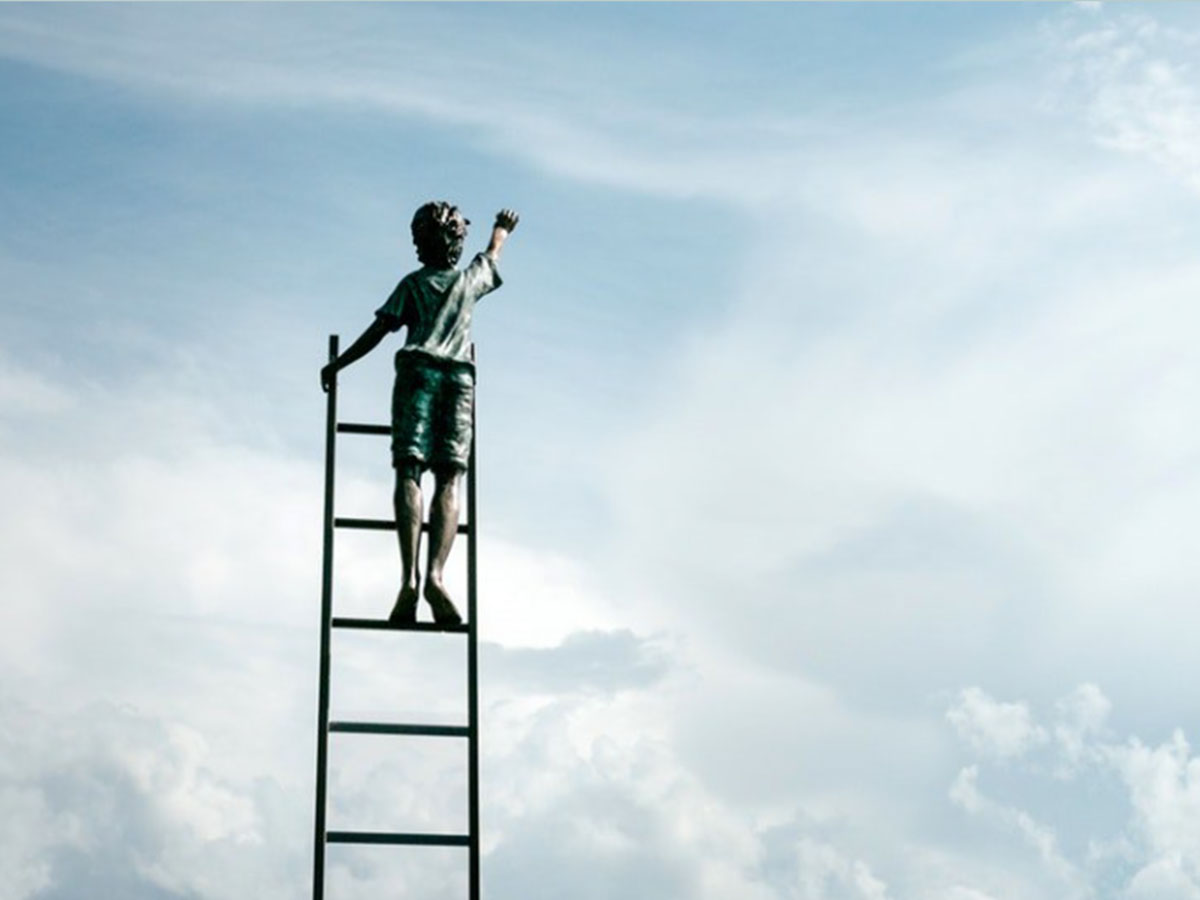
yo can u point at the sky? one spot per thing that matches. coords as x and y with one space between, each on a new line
838 459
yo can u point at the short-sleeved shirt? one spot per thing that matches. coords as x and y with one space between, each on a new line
436 306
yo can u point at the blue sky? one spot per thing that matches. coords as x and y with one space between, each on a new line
839 463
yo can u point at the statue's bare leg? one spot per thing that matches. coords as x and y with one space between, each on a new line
443 524
408 502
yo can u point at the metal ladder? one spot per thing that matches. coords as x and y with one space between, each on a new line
322 837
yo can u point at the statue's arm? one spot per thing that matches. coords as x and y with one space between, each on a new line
364 344
506 222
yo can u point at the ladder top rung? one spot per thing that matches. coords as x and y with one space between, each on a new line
359 428
397 728
384 837
383 525
385 625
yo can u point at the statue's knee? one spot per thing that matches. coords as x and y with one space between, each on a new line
446 479
408 471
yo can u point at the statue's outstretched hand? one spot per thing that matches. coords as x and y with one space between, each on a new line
507 219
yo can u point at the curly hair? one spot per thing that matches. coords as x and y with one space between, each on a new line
438 231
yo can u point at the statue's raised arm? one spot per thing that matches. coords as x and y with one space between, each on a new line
506 222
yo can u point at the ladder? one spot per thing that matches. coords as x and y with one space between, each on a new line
321 836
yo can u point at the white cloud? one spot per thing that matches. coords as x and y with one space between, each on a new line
1152 852
825 874
1040 837
1002 730
958 892
203 776
930 437
1131 79
1164 788
965 793
127 805
1163 879
592 122
30 831
1082 715
183 580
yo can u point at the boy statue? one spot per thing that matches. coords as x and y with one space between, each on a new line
434 390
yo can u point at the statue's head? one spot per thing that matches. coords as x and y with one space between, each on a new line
438 230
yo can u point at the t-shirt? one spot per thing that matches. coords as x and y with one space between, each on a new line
436 306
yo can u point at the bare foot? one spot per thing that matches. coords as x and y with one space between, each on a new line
439 601
405 610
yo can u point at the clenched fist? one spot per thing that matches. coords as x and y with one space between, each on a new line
507 219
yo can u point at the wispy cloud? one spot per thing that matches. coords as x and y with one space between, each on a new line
965 793
580 123
1130 77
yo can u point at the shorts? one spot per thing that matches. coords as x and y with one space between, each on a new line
432 404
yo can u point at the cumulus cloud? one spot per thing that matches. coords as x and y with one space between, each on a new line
217 692
1164 789
993 728
1151 852
594 786
170 578
118 803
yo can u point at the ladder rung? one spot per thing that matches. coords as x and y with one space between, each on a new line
384 837
357 428
388 728
385 625
382 525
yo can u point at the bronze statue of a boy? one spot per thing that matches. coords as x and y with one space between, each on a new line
434 389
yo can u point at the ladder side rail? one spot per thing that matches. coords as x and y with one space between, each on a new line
319 833
473 661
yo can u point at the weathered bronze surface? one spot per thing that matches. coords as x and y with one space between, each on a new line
433 394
